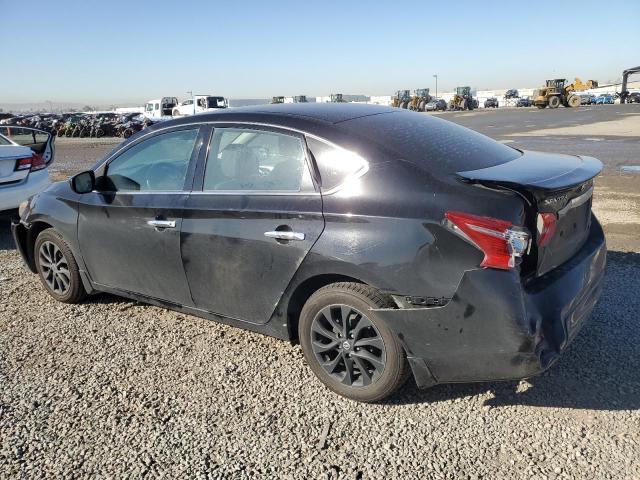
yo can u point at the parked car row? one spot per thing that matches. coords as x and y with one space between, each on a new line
108 124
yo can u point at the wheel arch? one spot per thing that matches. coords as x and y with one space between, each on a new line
301 293
31 235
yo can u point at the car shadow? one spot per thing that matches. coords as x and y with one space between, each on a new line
599 371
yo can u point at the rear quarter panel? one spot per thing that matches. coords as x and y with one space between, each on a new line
386 230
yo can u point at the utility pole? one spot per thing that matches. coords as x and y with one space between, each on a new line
436 77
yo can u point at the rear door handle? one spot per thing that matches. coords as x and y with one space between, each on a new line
162 223
284 235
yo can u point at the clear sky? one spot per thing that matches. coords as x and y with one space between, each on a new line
114 51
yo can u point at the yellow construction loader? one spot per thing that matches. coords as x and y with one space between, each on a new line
556 92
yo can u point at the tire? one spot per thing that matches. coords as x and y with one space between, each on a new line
50 247
323 335
554 102
421 106
574 101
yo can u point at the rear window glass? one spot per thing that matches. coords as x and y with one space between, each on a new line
431 142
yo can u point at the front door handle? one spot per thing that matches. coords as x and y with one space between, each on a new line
284 235
162 223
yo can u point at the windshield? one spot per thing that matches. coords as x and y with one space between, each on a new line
216 102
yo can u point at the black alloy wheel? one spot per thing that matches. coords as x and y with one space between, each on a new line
347 345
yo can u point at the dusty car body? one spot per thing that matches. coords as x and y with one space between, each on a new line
463 258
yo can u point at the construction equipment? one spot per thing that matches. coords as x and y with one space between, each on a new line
624 93
420 99
337 98
578 86
277 100
462 100
556 92
300 99
401 99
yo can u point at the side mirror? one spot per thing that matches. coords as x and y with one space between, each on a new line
83 182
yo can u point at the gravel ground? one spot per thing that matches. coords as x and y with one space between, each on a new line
113 388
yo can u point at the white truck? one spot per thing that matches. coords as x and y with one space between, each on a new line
199 104
159 108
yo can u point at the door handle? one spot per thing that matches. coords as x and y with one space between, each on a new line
284 235
162 223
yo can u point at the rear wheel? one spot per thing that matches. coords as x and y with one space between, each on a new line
57 269
554 102
574 101
347 346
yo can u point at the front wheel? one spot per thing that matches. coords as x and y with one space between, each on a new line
57 268
347 346
554 102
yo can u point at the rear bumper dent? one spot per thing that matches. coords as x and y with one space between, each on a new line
498 328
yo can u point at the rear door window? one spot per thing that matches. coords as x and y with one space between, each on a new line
254 160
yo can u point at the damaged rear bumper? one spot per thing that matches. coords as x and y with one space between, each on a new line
497 327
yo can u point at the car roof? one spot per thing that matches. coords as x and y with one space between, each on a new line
328 113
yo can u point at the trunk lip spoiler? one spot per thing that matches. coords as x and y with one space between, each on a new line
576 201
539 171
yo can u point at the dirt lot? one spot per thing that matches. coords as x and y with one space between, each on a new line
113 388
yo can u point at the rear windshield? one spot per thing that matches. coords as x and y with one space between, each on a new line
432 143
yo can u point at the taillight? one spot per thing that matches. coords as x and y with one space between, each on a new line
24 163
500 241
34 162
38 163
546 225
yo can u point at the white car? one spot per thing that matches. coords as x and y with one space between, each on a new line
25 156
160 108
203 103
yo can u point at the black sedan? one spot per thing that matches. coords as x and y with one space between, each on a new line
491 103
386 242
524 102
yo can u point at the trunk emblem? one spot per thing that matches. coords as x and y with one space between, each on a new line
554 200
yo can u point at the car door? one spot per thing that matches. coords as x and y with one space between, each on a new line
129 228
252 218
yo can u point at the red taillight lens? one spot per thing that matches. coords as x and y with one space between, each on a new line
38 162
24 163
546 228
499 240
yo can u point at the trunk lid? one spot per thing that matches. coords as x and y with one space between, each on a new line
561 185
